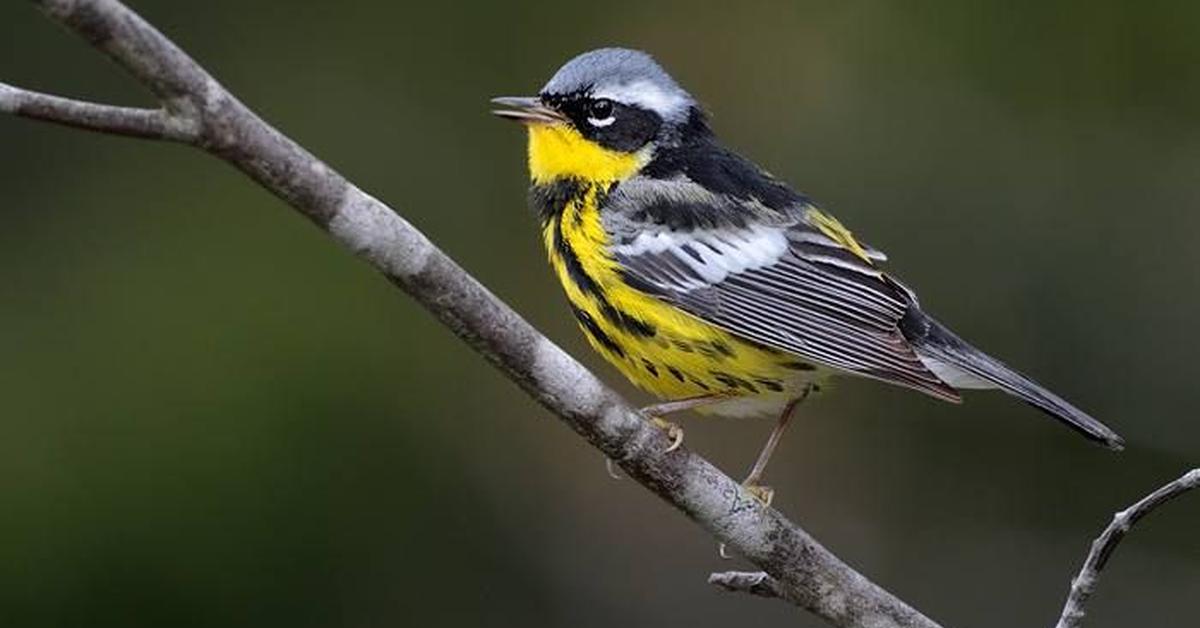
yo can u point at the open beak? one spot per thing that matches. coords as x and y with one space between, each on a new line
527 110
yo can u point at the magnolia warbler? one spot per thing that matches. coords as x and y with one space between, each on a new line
708 282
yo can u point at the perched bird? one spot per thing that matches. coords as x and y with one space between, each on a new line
710 283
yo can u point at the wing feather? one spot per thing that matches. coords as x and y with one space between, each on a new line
791 279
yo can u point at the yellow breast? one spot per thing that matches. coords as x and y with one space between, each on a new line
657 346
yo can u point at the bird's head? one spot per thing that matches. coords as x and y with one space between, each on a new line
601 116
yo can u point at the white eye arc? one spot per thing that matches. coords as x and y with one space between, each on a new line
602 123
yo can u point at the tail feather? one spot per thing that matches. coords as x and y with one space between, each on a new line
964 366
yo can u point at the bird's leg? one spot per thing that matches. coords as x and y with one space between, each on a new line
679 405
656 411
753 482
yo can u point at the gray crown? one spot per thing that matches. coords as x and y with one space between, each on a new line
625 75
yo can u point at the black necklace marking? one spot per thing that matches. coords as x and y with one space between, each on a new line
550 201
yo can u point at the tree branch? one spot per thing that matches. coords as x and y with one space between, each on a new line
1084 584
808 574
155 124
761 584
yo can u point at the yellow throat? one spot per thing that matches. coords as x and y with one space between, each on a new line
558 150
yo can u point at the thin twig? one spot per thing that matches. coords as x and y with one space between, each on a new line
1084 584
807 574
145 123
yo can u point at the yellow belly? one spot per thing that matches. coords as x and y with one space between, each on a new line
657 346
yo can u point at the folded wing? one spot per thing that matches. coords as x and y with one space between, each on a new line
792 279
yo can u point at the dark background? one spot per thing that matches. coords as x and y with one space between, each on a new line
211 415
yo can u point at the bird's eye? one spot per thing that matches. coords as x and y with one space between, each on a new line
600 112
600 108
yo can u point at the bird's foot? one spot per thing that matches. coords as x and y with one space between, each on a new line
763 493
673 431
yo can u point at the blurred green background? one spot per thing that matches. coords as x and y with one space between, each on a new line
211 415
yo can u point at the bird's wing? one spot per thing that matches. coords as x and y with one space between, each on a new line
794 279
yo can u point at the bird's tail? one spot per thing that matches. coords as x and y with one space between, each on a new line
963 366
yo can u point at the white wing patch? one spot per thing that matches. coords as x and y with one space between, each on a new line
710 255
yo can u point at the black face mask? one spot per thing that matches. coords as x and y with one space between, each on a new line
611 124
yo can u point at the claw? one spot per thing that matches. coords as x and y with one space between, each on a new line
764 494
611 467
674 432
722 553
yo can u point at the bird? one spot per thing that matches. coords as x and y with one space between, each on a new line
710 283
